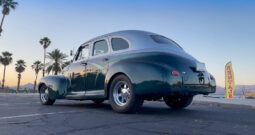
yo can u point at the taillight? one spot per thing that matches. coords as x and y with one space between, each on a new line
175 73
212 77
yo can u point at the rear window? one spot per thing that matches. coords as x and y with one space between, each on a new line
163 40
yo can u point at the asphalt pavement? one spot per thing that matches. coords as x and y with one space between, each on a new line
24 115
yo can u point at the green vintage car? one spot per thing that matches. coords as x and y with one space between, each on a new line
126 68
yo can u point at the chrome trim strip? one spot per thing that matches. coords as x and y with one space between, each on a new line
88 93
78 93
94 93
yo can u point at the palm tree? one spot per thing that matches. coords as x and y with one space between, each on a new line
49 69
37 66
45 42
20 67
57 60
7 6
65 64
5 59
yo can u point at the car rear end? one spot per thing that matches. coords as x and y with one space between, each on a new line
186 75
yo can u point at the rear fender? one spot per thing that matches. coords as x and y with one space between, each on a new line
147 78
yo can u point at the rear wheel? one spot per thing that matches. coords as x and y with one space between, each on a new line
45 97
122 96
178 102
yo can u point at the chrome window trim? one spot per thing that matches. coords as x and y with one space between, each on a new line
93 44
77 53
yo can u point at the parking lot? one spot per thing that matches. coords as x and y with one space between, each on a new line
23 114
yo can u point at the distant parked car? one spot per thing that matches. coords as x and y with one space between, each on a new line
126 68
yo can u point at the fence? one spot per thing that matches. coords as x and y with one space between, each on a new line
9 90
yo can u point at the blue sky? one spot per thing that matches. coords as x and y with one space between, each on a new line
213 31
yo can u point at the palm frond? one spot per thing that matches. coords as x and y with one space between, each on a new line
37 66
49 69
65 64
57 59
8 5
20 66
6 58
45 42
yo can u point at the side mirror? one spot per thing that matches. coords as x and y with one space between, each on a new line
71 53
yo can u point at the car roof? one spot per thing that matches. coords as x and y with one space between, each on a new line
140 41
137 38
125 33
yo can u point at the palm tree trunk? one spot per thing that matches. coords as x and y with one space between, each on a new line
19 77
1 25
4 77
35 83
44 62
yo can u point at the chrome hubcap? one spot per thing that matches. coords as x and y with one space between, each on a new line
121 93
44 95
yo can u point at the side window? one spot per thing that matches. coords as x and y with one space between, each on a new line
119 44
100 47
83 53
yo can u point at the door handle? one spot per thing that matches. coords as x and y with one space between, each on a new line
84 63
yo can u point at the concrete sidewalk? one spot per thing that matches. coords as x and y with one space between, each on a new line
246 102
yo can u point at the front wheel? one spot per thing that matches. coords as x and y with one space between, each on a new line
178 102
45 97
122 96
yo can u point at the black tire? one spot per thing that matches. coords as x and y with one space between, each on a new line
98 101
133 102
178 102
44 96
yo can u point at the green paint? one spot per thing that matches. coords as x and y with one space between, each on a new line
152 77
128 56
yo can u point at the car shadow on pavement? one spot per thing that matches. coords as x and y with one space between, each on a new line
147 109
85 105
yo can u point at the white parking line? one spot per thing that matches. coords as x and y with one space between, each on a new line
37 114
27 103
6 104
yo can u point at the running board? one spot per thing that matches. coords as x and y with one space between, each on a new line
85 94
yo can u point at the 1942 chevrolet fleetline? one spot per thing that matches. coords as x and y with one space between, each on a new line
126 68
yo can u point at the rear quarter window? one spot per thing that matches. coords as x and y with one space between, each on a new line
119 44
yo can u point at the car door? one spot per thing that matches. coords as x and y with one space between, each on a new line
97 67
77 70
